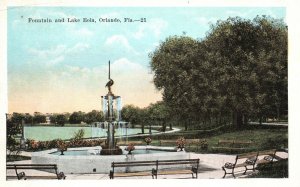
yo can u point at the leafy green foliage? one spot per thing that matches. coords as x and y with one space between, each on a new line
93 116
39 118
12 130
78 135
76 117
278 169
240 68
59 119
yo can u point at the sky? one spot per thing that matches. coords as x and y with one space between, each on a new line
63 67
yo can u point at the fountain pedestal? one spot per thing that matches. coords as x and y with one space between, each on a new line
110 147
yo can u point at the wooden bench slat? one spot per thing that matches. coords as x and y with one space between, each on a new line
132 174
173 172
20 174
156 171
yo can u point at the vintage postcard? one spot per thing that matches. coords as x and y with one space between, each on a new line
146 92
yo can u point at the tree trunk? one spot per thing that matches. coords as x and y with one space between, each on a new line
143 129
246 119
260 120
171 126
237 119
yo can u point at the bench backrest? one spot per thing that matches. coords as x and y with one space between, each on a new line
177 162
156 163
247 155
270 152
188 141
131 164
242 142
236 142
31 166
17 167
222 142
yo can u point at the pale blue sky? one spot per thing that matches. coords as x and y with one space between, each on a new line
61 67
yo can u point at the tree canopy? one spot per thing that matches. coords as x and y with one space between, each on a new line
239 68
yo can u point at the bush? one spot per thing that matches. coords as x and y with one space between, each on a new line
277 169
79 134
204 145
277 142
34 145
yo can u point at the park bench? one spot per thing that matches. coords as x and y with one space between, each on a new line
127 166
191 168
20 174
196 142
245 160
268 156
155 168
232 145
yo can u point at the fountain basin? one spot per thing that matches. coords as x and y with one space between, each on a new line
87 159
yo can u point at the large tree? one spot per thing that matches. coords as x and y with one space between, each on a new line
13 128
158 114
240 67
249 60
131 113
94 116
76 117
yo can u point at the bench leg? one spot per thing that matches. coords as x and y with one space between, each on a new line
154 173
224 172
21 176
245 170
111 175
233 173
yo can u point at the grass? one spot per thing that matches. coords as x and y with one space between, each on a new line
263 139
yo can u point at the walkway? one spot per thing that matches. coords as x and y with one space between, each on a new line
210 168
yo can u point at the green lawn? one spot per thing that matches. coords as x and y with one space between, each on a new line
262 139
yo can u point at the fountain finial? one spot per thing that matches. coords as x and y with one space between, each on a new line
110 82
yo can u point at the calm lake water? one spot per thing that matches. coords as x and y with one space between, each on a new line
42 133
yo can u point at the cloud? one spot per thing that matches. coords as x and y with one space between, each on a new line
243 14
117 42
83 32
55 54
204 21
155 26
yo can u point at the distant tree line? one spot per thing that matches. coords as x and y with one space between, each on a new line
237 72
57 118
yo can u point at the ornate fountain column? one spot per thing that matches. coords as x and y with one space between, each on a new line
110 147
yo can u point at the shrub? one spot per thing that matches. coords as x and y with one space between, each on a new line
278 142
34 145
204 144
180 142
79 134
148 140
130 148
61 145
277 169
